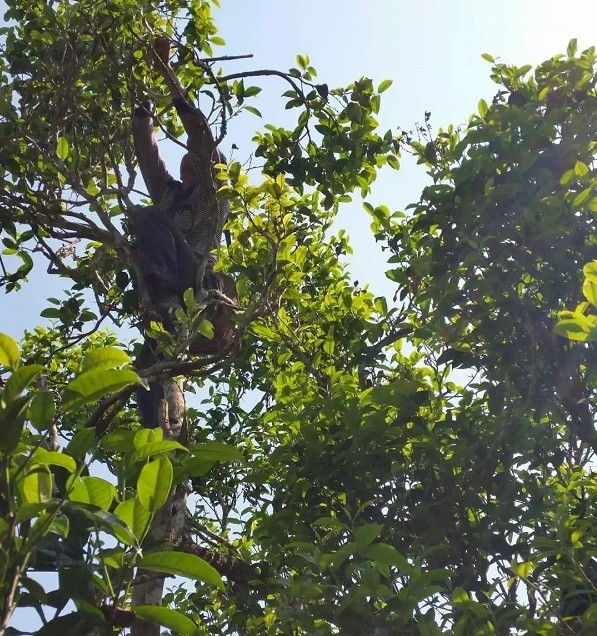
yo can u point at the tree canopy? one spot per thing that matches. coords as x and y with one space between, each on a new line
419 464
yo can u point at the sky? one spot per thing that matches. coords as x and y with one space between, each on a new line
431 49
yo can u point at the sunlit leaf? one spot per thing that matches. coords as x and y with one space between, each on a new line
589 289
154 483
20 380
136 516
119 441
167 617
90 386
62 148
91 490
54 458
36 485
9 352
105 358
182 564
154 449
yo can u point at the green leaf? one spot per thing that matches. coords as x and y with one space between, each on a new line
90 386
253 110
62 148
154 483
12 420
74 623
366 534
302 61
329 345
9 352
572 47
384 85
42 410
589 289
34 588
487 57
460 595
329 522
482 107
581 169
590 270
20 380
154 449
145 435
336 559
27 511
105 358
60 526
573 326
251 91
205 328
182 564
191 467
106 520
393 162
166 617
91 490
386 554
136 516
51 312
524 569
54 458
581 197
119 441
81 443
36 485
217 451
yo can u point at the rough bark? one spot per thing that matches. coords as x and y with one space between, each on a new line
168 523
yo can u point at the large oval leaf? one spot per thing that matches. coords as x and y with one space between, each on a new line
42 410
20 380
91 490
217 451
12 420
81 443
154 449
105 520
182 564
146 435
105 358
36 486
136 517
119 441
154 483
31 510
9 352
167 617
90 386
54 458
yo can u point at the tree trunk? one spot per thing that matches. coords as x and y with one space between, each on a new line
168 523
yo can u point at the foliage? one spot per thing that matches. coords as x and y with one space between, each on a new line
347 479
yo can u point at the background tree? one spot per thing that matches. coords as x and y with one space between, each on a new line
344 481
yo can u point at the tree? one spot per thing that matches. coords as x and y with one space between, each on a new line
343 480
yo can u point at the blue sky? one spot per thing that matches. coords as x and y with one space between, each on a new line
430 49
